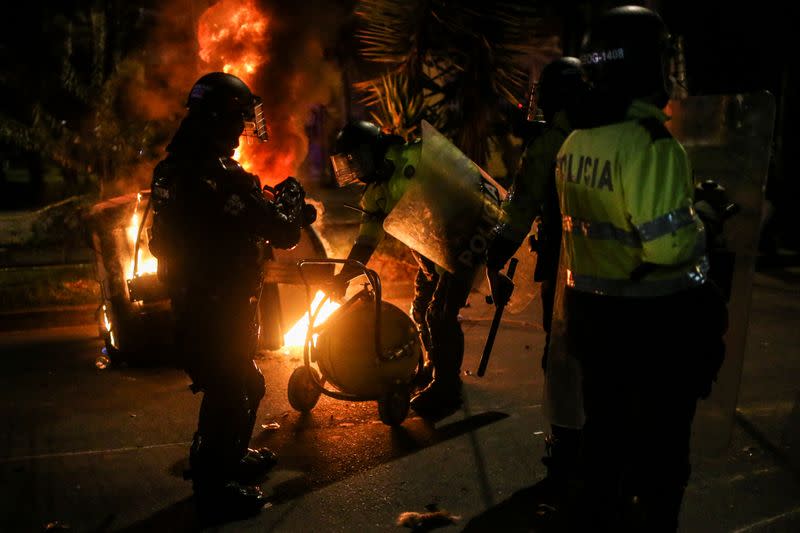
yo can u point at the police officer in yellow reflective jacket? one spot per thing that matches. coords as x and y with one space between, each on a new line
642 317
387 165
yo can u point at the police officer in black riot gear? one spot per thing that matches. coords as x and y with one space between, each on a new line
211 230
556 98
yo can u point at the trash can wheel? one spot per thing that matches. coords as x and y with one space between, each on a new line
393 405
302 390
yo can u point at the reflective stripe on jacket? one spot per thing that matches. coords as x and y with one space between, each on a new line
626 197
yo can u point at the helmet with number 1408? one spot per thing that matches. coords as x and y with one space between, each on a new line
628 54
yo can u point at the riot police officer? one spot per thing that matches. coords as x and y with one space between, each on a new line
557 95
388 165
642 316
212 223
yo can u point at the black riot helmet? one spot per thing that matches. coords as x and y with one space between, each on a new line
627 54
359 153
560 85
224 98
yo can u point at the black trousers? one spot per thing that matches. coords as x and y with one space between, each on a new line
217 339
437 301
643 363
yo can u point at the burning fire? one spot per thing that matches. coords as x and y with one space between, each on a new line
107 324
147 264
296 336
233 38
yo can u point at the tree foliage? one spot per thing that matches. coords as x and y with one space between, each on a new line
64 95
452 63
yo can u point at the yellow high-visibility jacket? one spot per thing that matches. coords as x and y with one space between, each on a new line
380 198
626 194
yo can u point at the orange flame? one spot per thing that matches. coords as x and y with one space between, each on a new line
233 37
296 336
147 264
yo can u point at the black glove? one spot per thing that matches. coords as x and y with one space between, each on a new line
338 287
500 251
290 198
309 215
500 285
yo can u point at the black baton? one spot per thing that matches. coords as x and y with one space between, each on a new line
498 316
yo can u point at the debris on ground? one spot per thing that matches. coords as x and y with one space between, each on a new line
272 426
432 519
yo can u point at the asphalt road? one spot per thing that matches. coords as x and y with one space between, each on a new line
86 449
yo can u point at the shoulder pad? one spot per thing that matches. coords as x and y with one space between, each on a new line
655 128
163 174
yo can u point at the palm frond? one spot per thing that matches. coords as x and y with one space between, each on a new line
460 58
394 108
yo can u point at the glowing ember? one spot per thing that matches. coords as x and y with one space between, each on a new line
297 335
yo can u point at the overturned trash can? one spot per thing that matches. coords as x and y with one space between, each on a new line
135 319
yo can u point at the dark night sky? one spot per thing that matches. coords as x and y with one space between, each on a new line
729 48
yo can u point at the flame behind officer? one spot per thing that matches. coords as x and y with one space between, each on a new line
533 195
387 165
211 225
641 316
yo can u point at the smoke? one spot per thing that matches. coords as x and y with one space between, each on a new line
151 86
300 75
283 50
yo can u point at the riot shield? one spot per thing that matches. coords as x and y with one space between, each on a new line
448 212
449 208
728 139
563 392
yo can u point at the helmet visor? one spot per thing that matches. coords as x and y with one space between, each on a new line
348 169
255 126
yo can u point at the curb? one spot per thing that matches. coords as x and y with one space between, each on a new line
48 317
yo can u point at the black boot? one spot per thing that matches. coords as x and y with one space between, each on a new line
227 501
561 458
561 485
255 464
218 493
439 399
